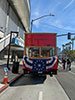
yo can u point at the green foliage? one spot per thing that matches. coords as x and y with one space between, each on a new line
70 54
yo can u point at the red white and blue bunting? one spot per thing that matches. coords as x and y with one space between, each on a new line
40 64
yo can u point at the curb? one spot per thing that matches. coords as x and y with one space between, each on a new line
3 88
10 82
15 79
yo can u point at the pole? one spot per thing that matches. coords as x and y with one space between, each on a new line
10 47
9 52
72 43
31 25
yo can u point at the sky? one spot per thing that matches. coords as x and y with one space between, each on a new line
63 21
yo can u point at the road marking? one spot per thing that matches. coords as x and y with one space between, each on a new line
40 95
72 73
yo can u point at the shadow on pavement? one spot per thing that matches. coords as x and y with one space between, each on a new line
29 80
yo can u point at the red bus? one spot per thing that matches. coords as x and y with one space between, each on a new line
40 53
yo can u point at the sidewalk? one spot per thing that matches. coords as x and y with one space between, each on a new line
12 77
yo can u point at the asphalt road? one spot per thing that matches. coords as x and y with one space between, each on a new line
35 88
59 87
67 81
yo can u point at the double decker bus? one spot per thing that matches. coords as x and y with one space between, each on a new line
40 53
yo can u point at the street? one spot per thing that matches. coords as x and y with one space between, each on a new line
60 87
34 88
38 38
67 81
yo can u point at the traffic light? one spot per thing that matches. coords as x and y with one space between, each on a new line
69 35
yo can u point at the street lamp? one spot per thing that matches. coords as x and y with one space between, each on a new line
39 18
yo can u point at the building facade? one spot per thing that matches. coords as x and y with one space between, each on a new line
14 16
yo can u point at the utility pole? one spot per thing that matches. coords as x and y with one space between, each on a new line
73 42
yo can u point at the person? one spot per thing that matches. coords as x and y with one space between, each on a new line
63 62
68 64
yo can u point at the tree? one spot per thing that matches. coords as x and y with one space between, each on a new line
70 54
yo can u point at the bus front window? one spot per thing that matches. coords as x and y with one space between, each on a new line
45 52
34 52
41 52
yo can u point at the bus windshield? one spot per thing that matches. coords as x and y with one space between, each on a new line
40 52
